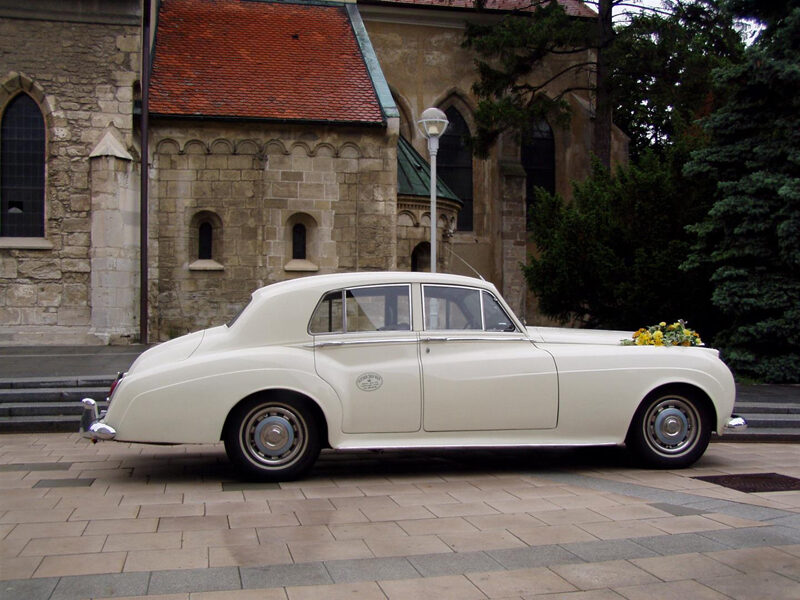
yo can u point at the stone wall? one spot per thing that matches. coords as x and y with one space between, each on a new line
81 74
252 184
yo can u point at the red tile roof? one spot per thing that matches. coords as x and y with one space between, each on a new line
261 60
576 8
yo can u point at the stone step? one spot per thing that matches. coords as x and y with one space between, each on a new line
762 434
40 424
772 421
52 394
31 409
772 408
56 382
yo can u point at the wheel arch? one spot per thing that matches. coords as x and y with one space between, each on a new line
286 395
691 390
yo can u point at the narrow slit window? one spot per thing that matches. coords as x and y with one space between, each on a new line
205 241
299 242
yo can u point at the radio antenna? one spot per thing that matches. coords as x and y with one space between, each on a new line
469 266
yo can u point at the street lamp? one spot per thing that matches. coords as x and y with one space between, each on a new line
432 124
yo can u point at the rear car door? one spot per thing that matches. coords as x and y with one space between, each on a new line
364 347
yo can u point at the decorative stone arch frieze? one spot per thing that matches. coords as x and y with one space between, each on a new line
168 146
350 150
274 146
247 147
324 149
195 147
221 146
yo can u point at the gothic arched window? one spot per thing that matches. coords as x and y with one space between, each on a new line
454 164
22 156
538 157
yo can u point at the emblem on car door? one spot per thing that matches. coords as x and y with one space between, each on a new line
369 382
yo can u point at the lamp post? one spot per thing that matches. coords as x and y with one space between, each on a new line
432 124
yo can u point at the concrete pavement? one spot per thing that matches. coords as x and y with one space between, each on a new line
174 523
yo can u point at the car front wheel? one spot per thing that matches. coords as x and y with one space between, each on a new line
671 429
272 440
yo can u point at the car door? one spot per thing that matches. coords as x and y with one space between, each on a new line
364 347
479 371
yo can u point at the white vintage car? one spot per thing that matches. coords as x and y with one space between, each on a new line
410 360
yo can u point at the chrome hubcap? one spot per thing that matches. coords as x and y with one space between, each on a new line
273 435
671 426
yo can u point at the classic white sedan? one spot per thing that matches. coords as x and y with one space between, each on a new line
410 360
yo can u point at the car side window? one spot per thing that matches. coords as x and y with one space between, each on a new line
452 308
328 316
494 317
380 308
384 308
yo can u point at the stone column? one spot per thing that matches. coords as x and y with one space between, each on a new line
115 242
513 234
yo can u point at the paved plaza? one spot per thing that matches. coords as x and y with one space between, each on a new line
174 523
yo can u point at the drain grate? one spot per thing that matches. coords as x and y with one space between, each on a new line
755 482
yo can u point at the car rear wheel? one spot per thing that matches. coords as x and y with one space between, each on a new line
272 439
671 429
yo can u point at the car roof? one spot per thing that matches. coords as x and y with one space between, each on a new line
341 280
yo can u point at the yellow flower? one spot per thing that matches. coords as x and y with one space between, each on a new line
662 324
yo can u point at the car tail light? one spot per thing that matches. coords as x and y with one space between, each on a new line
114 385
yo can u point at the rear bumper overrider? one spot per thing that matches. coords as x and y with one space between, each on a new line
92 426
735 424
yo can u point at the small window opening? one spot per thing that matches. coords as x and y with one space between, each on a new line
205 241
299 242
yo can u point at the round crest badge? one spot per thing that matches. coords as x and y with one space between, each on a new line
369 382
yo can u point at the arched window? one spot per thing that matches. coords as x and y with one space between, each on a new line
421 257
454 164
299 242
22 155
538 157
205 238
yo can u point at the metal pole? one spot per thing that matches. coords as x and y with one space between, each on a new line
433 148
143 282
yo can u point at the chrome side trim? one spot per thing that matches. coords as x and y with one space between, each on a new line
363 342
735 423
482 338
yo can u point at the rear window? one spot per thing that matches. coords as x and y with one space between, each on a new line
379 308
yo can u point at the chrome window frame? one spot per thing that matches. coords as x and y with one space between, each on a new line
343 291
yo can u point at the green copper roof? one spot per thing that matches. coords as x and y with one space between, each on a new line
414 174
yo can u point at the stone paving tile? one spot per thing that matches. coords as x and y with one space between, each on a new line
481 540
28 588
519 582
81 564
367 590
152 560
431 565
674 590
680 543
683 566
360 531
588 595
755 586
328 517
686 524
406 546
249 556
319 551
372 569
537 556
194 580
755 536
109 526
605 574
284 575
553 534
609 550
102 586
83 544
220 537
448 587
753 560
17 567
142 541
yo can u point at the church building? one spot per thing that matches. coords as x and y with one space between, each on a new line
281 141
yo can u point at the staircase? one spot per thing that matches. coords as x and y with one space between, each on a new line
47 405
772 413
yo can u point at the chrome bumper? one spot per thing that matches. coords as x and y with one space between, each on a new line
91 426
735 423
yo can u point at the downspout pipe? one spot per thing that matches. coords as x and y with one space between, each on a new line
143 258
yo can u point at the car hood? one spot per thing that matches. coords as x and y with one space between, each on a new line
564 335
